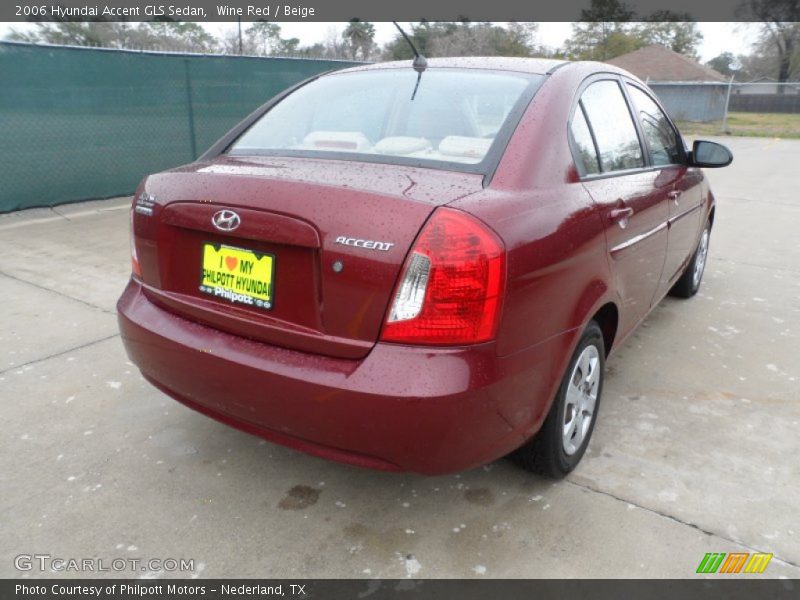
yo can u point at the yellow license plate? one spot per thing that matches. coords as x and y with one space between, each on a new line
237 275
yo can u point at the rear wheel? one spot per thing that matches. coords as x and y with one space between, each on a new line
689 283
559 446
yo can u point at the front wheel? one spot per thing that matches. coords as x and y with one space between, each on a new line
689 283
559 446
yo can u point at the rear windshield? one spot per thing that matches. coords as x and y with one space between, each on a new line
446 117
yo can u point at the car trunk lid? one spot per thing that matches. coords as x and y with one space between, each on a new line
334 234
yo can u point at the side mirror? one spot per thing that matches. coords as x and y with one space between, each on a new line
709 155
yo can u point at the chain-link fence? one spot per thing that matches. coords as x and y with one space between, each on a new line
692 101
765 97
79 123
714 101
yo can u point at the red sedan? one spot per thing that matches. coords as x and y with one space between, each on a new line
419 269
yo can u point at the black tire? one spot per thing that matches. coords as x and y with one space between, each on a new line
688 284
546 454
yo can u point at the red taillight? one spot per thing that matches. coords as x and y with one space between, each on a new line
137 270
451 285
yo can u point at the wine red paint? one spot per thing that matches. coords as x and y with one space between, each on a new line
425 305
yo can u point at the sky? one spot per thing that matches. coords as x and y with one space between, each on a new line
717 37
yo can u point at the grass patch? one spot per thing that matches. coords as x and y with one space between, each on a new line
774 125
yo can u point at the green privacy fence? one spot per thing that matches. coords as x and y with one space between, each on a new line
80 123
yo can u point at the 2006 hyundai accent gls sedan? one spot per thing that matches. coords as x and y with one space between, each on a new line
423 269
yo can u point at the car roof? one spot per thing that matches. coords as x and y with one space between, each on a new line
537 66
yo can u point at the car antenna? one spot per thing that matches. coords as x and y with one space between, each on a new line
420 62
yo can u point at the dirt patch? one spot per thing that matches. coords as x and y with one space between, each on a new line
299 497
479 496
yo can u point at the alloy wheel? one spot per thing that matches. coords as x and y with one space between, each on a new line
581 398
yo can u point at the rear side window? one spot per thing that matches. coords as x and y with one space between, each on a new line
658 132
611 122
586 155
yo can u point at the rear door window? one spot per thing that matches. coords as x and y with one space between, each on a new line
613 127
583 145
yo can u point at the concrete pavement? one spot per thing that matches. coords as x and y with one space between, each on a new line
695 450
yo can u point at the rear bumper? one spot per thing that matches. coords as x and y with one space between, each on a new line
400 408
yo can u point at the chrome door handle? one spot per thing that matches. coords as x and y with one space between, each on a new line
618 214
674 195
621 216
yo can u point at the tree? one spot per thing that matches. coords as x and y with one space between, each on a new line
100 34
674 31
607 31
229 42
767 60
757 65
360 36
154 35
521 36
603 32
600 41
263 38
313 51
607 11
333 47
288 46
176 36
485 39
423 36
466 39
780 33
334 44
725 63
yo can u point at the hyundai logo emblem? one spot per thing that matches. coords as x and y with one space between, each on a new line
226 220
